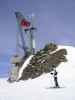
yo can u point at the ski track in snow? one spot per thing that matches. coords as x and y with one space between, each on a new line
39 88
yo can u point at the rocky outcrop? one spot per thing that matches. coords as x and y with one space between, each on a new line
44 61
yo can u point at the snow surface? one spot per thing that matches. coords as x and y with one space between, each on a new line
39 88
24 66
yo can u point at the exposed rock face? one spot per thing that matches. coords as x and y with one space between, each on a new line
44 61
13 74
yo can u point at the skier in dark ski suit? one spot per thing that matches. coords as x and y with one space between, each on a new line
54 73
56 79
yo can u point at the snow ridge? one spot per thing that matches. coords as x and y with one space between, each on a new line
24 66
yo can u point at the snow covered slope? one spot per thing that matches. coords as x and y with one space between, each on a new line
39 88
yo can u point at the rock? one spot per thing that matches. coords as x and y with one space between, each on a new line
13 74
44 62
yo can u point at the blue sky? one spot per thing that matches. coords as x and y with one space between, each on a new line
54 19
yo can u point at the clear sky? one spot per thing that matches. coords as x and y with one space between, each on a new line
54 19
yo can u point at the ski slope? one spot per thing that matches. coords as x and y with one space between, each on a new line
40 88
